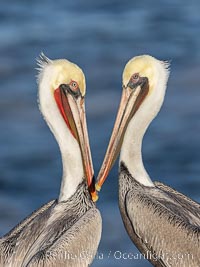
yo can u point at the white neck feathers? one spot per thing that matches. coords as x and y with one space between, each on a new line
131 151
73 172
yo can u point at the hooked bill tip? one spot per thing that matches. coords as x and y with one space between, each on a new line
98 187
95 196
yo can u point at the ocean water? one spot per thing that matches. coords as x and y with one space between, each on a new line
100 37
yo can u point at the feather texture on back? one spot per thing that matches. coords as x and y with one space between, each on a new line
162 220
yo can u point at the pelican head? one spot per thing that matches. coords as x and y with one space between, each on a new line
62 91
144 82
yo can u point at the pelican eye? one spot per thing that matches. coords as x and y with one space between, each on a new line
134 81
135 77
74 85
71 88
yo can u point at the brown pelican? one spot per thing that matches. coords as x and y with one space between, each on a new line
64 232
163 223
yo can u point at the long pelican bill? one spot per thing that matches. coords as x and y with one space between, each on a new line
72 109
131 99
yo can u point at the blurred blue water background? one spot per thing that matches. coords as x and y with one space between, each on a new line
101 37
